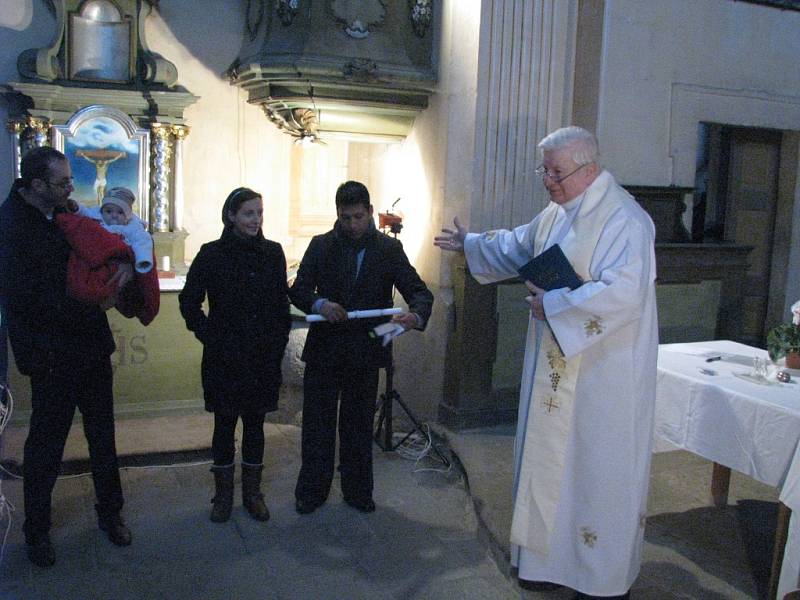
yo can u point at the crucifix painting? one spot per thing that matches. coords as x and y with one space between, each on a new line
105 149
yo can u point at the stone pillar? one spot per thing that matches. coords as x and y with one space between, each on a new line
527 53
524 91
161 151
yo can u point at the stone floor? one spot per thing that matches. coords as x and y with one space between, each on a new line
435 534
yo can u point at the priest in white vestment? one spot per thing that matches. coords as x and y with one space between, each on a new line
584 431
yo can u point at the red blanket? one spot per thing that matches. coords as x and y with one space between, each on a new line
92 262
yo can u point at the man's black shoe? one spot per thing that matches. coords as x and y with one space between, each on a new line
538 586
306 507
116 530
365 506
41 552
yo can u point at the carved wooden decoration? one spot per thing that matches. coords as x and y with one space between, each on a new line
358 15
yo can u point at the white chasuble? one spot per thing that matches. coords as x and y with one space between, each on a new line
553 393
582 452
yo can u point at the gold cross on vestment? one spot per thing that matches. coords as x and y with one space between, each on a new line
550 404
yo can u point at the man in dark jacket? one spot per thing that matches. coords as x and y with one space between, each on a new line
352 267
62 345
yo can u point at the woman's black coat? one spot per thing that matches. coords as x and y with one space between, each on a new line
247 327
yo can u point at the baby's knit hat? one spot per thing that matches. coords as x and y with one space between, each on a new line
121 197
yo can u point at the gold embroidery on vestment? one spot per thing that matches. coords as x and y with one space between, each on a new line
557 365
550 404
589 536
593 326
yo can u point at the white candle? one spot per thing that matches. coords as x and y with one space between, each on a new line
165 263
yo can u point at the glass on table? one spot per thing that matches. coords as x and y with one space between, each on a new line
759 368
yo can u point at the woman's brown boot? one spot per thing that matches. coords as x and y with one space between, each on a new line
223 495
252 498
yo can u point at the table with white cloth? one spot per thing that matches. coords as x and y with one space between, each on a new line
717 410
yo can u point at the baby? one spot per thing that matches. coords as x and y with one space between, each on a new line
102 238
115 214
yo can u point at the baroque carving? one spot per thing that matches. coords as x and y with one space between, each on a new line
421 15
361 69
254 15
358 15
287 9
89 34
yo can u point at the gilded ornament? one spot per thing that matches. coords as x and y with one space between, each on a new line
588 536
556 360
593 326
15 126
181 132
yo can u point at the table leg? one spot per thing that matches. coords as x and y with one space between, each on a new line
720 482
781 533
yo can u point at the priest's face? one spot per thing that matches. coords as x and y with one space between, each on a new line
563 177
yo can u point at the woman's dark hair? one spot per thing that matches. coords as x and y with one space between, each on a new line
235 200
352 192
36 164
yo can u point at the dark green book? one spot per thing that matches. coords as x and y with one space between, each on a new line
550 270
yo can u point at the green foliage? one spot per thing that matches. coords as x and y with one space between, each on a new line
782 339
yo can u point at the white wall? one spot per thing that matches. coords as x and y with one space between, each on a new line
656 53
668 65
437 160
231 142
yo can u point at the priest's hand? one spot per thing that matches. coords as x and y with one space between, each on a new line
536 300
452 239
333 312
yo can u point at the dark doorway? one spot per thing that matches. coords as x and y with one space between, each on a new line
736 201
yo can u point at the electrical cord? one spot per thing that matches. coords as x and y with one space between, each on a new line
6 507
416 447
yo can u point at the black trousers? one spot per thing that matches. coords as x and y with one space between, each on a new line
353 392
53 401
223 448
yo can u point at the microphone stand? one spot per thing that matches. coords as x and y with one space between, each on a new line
384 433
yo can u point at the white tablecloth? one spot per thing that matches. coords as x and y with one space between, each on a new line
746 426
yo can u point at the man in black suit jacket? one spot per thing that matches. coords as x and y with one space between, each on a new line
352 267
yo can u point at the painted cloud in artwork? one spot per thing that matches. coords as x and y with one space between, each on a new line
105 133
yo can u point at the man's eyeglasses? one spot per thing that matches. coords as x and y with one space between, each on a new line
542 172
63 184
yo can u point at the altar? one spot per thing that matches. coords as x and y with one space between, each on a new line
156 368
707 403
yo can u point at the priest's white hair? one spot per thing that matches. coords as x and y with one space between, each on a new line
581 143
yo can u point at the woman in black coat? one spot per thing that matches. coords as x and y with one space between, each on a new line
244 336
